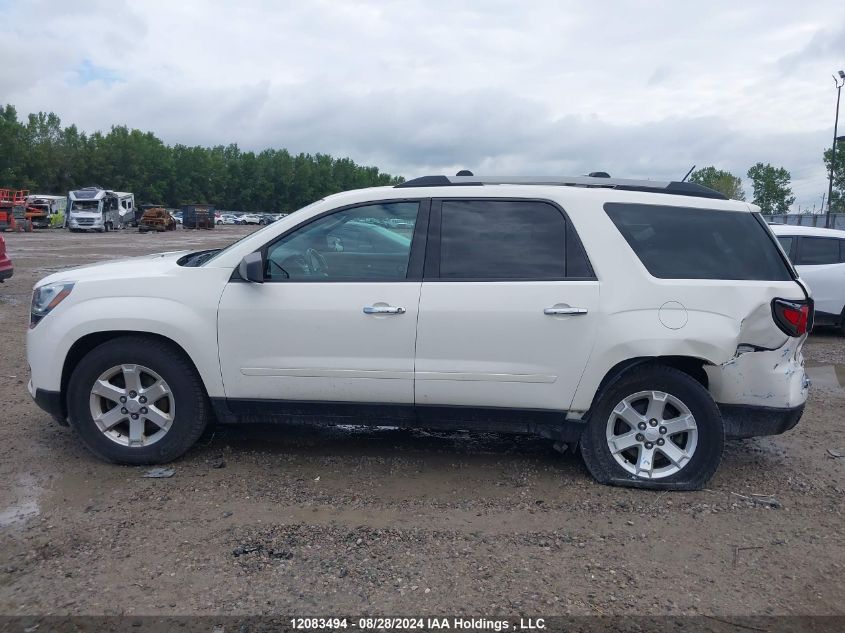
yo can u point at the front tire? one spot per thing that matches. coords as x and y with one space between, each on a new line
137 400
655 427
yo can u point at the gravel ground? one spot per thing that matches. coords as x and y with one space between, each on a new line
286 519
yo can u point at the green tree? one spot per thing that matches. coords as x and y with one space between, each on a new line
772 191
720 180
837 198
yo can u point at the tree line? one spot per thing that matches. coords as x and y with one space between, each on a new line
40 155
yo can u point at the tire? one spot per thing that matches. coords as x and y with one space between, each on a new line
706 440
185 397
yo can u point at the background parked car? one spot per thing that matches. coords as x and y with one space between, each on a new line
251 218
819 256
6 269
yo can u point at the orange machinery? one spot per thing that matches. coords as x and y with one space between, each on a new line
13 210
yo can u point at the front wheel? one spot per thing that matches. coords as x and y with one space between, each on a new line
137 400
655 427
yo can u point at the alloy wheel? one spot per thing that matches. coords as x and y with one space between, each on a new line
132 405
652 434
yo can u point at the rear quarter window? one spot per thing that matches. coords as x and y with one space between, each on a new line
692 243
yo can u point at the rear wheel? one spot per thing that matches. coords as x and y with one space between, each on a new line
137 400
655 427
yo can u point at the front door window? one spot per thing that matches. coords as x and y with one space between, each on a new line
367 243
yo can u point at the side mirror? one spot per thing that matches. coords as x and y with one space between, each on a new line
251 268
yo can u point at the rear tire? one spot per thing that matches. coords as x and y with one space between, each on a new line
668 411
178 407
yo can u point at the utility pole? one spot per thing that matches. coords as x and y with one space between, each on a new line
839 82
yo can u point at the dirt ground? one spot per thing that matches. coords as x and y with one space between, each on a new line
292 520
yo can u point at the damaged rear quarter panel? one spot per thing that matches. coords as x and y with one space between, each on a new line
722 317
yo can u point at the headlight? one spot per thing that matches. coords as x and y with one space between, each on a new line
45 298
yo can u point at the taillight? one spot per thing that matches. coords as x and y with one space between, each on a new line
795 318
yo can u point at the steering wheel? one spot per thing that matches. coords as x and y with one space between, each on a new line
315 262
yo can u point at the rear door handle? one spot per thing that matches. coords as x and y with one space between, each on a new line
564 311
384 310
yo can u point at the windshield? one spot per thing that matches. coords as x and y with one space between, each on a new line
258 232
85 205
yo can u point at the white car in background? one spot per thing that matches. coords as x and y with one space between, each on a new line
819 256
251 218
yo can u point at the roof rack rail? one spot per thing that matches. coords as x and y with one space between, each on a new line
650 186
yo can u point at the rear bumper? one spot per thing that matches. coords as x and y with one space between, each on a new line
5 273
768 379
743 421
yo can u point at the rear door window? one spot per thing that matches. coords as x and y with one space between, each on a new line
692 243
508 239
816 251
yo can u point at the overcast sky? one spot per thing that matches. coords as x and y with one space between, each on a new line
638 89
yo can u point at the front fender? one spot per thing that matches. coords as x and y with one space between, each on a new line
193 328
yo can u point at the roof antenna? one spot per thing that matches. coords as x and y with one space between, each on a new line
598 174
684 179
465 172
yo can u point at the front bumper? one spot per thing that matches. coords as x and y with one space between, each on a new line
742 421
49 401
87 226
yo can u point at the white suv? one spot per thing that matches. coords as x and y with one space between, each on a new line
644 321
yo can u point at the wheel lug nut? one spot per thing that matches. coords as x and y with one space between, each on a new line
142 399
132 394
662 430
123 398
143 409
124 410
653 422
640 437
649 445
661 441
641 426
134 416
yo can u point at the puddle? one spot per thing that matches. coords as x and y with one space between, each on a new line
26 506
826 376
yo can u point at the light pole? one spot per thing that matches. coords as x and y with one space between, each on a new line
838 81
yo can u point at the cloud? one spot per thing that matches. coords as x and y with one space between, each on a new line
427 87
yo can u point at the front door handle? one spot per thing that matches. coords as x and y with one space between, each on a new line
564 311
384 310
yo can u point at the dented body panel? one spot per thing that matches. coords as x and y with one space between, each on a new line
773 378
